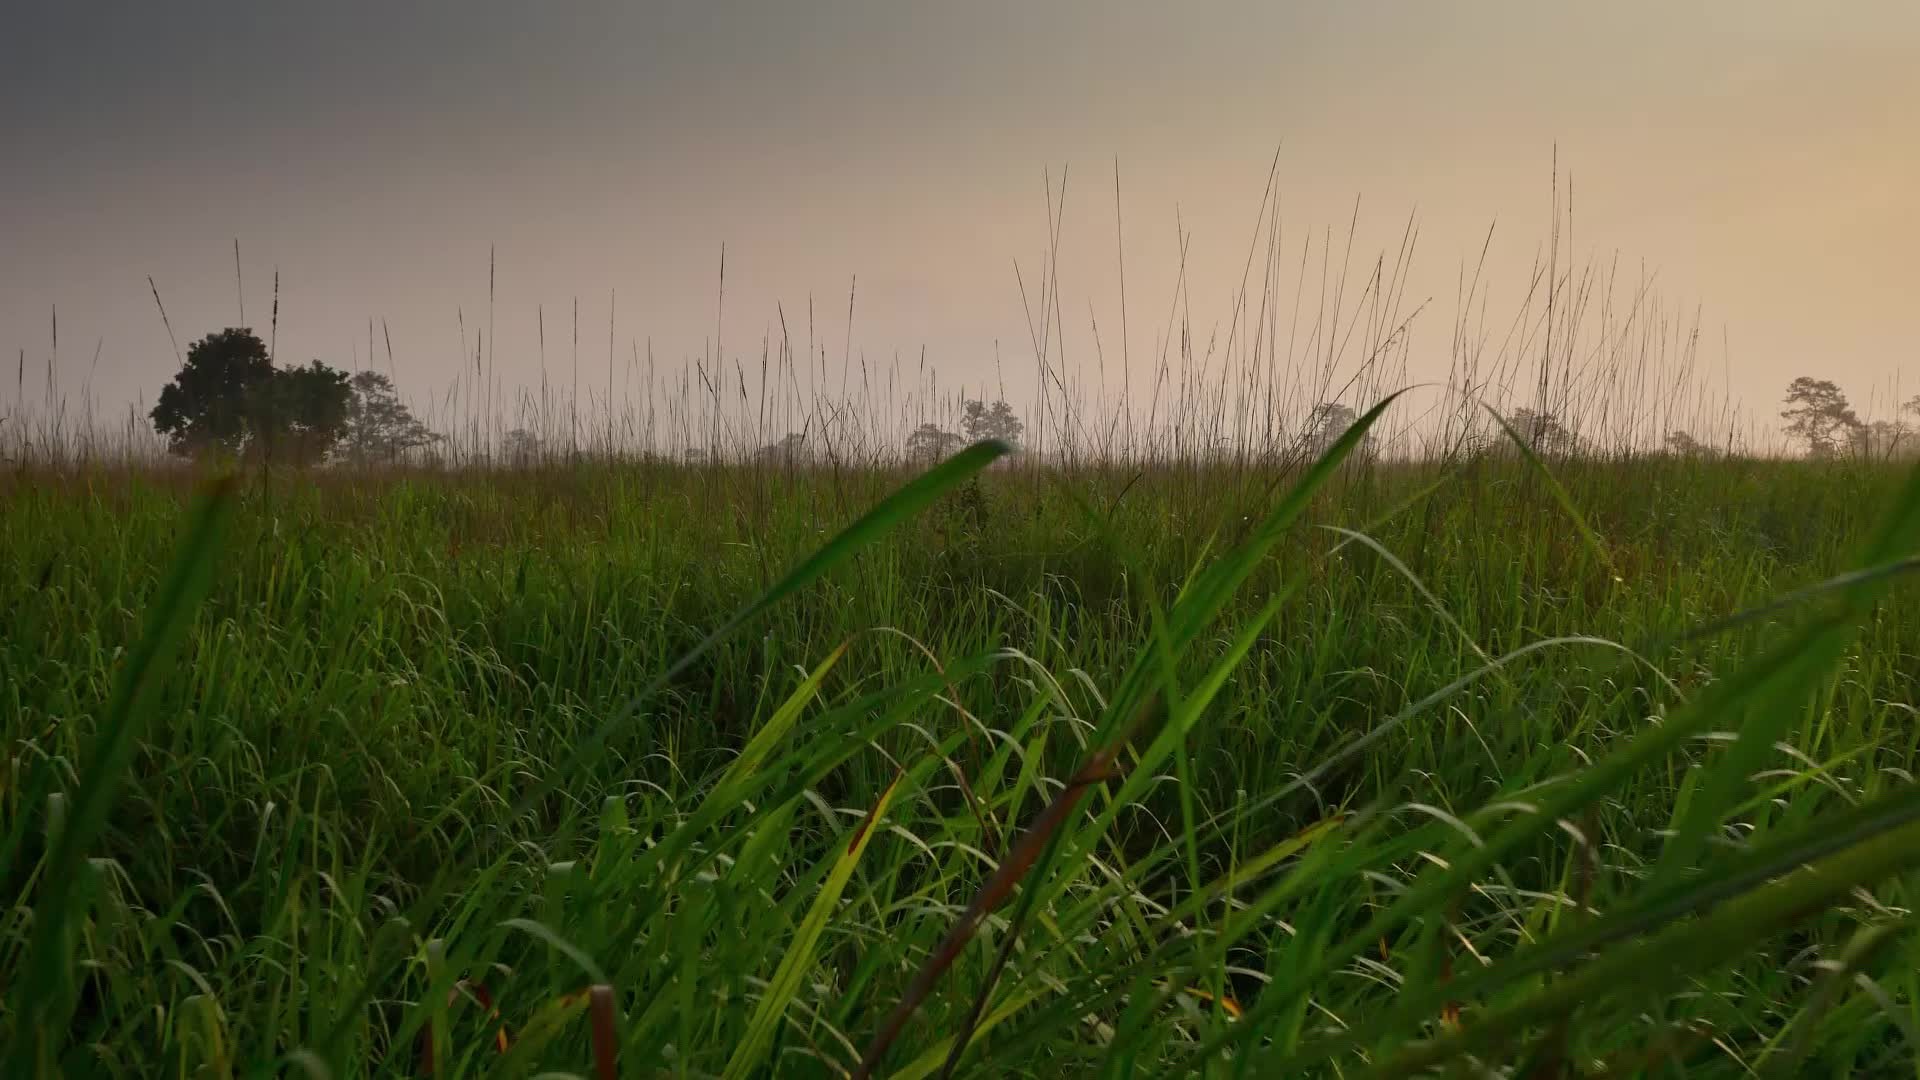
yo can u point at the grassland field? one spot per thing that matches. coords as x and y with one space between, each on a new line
1478 769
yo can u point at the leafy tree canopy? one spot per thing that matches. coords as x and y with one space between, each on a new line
522 447
379 426
1325 424
997 421
789 450
931 442
1544 432
229 398
207 407
298 415
1683 444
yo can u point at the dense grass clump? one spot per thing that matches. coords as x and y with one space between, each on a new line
1381 771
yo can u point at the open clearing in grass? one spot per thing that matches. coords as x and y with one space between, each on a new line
426 737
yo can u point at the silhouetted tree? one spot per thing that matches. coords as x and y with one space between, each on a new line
1819 414
380 427
521 447
208 405
992 422
1325 424
297 416
930 443
229 398
1543 432
787 451
1685 445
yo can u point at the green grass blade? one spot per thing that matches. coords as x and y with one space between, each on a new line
933 1057
755 753
772 1009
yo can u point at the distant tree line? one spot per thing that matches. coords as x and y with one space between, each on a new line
931 442
228 399
927 443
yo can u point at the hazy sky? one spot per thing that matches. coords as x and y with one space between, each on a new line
1762 156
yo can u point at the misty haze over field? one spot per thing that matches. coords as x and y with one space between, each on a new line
1751 169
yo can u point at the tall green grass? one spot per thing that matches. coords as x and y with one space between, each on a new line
1181 768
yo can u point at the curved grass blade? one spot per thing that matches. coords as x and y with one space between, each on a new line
754 754
772 1010
1020 859
935 1056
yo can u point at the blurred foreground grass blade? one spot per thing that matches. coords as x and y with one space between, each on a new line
1210 587
780 991
1895 568
1207 594
42 994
